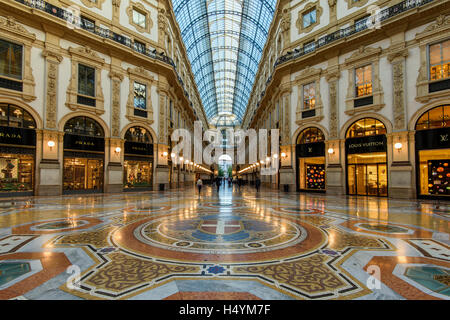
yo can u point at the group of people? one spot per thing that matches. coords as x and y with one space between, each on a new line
235 181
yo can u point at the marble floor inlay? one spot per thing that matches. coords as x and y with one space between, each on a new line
223 245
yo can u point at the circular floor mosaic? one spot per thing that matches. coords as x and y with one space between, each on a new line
219 236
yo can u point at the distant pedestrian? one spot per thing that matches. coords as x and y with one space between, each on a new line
257 184
218 180
199 185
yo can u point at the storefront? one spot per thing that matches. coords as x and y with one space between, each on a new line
138 162
310 160
84 154
432 140
366 158
17 151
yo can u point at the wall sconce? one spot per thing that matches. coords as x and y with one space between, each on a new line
283 155
51 144
172 155
262 161
275 156
267 159
331 151
118 150
165 154
398 146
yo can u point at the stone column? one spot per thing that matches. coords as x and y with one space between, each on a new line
49 167
162 168
335 175
286 171
401 171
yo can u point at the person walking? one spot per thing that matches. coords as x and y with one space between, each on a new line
199 185
257 184
218 183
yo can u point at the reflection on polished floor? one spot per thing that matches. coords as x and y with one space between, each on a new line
223 245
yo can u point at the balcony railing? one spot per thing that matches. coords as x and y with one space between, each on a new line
368 23
75 21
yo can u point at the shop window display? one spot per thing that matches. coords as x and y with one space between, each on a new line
16 172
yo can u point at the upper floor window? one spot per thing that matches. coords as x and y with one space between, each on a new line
140 96
440 60
363 81
309 17
139 18
11 60
309 96
86 80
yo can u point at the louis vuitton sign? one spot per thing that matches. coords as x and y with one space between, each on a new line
316 149
368 144
433 139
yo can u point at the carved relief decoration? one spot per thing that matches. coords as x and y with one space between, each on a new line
116 79
93 4
332 78
53 60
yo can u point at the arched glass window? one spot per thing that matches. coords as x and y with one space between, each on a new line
438 117
84 126
366 127
138 134
310 135
14 116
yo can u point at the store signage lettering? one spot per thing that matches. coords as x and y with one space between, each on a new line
366 144
137 148
86 143
433 139
17 136
316 149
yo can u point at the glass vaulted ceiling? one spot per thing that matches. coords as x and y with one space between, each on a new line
224 41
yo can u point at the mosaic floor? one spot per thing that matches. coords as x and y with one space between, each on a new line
226 245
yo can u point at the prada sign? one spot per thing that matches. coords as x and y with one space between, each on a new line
17 136
316 149
368 144
83 143
433 139
145 149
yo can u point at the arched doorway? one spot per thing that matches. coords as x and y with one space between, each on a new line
84 154
366 158
17 151
310 160
432 139
138 160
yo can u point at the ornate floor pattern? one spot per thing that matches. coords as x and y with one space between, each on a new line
223 245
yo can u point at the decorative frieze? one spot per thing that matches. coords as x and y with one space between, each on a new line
116 80
397 59
53 60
